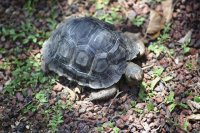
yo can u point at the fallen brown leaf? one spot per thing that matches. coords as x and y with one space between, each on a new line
167 7
156 23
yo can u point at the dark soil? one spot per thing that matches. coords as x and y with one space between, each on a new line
116 113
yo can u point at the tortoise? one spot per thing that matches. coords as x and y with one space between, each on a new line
93 54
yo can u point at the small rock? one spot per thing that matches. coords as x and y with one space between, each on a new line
150 56
57 88
53 94
52 101
120 123
90 109
7 46
96 109
197 44
188 8
159 8
83 128
175 14
171 45
160 87
90 115
140 105
1 88
63 97
19 96
125 117
30 92
3 38
133 130
82 110
130 112
147 76
131 14
158 99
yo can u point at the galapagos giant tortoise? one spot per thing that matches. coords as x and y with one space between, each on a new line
92 53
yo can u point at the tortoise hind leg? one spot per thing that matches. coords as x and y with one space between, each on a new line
103 94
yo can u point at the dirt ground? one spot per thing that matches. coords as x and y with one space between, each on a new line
167 101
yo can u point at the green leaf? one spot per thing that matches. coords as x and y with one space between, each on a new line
185 125
116 130
197 99
100 129
167 78
183 105
186 50
171 107
41 97
138 21
138 110
99 6
133 103
158 71
154 82
170 97
171 51
150 107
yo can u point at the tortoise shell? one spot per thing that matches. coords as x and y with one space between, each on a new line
88 51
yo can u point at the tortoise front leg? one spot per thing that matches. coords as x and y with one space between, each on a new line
134 73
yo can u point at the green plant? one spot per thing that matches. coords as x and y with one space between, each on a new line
185 125
30 108
26 33
150 107
57 119
133 104
185 47
158 47
116 130
27 74
138 21
99 4
111 15
108 124
172 103
41 97
197 99
189 66
29 6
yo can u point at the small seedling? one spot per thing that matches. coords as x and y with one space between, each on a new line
138 21
157 71
197 99
185 47
185 125
154 83
101 4
150 107
116 130
133 104
172 103
41 97
57 119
